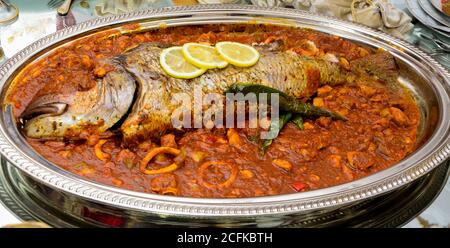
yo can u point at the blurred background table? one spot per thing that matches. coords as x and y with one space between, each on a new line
37 19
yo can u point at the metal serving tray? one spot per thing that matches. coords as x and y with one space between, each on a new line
426 78
393 209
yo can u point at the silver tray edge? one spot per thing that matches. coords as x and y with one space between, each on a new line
164 205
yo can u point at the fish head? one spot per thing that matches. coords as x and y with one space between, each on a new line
55 117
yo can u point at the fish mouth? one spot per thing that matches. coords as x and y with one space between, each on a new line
45 109
41 110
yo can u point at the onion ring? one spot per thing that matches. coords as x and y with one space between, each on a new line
103 156
152 153
234 171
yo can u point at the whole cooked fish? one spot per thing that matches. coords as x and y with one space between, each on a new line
55 117
286 71
110 100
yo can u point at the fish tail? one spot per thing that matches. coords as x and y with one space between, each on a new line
380 65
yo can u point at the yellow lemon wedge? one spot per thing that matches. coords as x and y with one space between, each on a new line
203 56
237 54
173 63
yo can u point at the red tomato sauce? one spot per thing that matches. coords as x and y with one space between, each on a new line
380 131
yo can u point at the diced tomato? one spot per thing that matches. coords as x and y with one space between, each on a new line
299 186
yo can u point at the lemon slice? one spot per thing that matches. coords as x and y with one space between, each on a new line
173 63
237 54
203 56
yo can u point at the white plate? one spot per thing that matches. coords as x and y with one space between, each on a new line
438 5
430 10
415 9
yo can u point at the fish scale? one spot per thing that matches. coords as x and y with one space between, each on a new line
283 70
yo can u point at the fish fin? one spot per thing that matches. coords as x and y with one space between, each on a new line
273 46
381 65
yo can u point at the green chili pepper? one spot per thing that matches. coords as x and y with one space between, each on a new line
298 121
287 103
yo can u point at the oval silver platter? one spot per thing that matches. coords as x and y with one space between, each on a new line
427 80
394 209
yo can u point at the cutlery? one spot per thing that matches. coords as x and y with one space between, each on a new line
64 8
442 45
54 3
